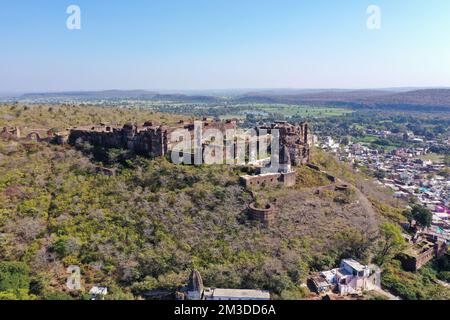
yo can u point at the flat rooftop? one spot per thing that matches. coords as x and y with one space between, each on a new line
240 294
355 264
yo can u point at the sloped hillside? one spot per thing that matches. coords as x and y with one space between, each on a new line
144 229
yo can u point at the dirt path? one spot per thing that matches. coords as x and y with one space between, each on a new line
367 205
385 293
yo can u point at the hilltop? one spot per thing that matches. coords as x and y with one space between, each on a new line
143 229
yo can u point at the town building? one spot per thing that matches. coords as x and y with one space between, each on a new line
412 173
350 278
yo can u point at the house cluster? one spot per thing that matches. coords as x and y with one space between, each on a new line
409 174
351 278
196 291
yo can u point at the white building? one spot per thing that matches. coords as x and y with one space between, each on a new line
98 292
352 277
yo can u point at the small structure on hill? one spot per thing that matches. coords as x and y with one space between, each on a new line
294 137
294 150
269 180
285 175
195 287
265 215
98 293
10 133
350 278
423 250
38 135
196 291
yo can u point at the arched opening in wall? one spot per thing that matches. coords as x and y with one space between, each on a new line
34 136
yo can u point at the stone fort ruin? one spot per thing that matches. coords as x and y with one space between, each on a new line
151 139
273 166
154 140
294 150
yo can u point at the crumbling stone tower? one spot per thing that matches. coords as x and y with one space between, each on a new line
149 140
294 138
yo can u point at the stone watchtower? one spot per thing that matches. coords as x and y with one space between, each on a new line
129 132
195 286
265 215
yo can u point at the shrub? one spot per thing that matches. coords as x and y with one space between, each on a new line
14 276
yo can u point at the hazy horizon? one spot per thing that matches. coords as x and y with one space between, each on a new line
257 45
219 90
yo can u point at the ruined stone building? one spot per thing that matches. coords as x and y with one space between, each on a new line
195 287
294 151
423 250
10 133
265 215
154 140
151 139
293 137
285 175
38 135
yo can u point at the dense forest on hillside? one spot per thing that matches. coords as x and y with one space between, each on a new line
144 229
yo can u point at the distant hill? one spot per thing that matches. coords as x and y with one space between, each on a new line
395 99
186 98
424 99
429 97
120 94
107 94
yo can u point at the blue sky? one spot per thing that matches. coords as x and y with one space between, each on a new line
220 44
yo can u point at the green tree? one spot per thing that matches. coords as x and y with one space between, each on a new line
421 215
447 160
380 174
391 242
14 276
345 141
